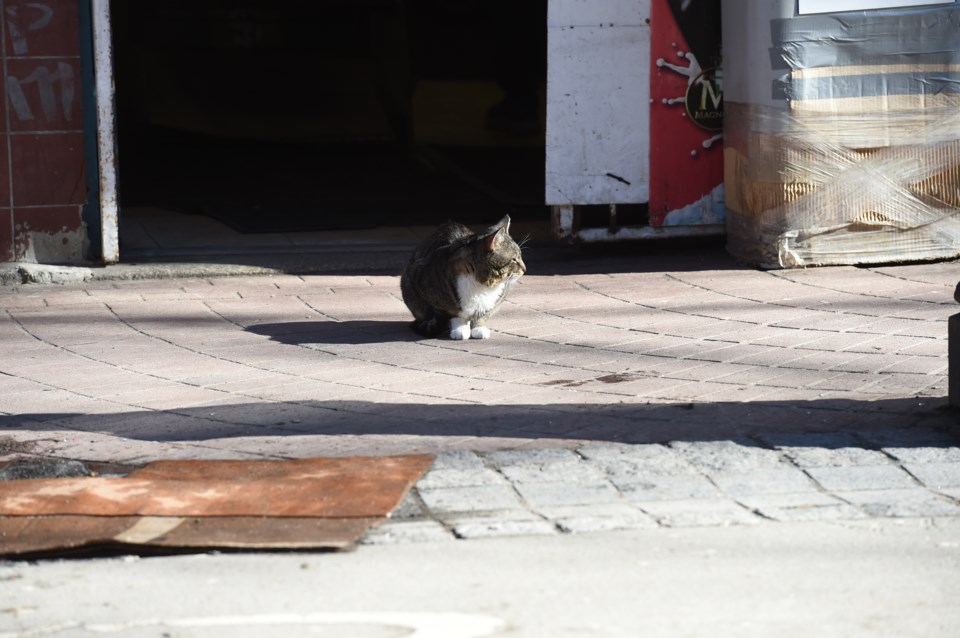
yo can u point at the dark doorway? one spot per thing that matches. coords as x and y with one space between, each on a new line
312 115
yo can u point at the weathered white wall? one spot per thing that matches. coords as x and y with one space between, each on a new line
106 139
598 96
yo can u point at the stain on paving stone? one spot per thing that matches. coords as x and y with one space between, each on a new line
567 383
9 445
36 467
43 469
616 378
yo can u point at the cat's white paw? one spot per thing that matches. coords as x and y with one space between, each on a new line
460 333
480 332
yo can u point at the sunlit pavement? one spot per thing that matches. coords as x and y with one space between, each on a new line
623 402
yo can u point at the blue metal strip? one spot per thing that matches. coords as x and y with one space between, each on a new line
91 209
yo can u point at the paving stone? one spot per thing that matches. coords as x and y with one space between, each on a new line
720 456
109 449
773 480
925 454
705 512
532 458
393 532
807 457
448 477
952 492
470 498
554 473
597 518
452 518
539 495
861 477
807 506
838 449
622 461
458 460
487 528
667 488
408 508
649 472
936 476
901 503
544 466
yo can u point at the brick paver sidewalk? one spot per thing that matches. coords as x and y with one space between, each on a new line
296 366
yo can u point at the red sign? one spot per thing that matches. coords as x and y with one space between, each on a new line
686 113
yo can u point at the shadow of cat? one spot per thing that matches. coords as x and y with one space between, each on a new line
356 332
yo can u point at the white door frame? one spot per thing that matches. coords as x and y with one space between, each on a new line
106 131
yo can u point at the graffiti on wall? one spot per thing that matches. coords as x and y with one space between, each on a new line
53 81
43 15
44 161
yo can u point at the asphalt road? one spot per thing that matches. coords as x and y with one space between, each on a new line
862 578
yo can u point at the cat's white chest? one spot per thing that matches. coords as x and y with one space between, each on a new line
475 298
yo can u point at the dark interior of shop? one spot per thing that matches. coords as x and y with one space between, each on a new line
335 114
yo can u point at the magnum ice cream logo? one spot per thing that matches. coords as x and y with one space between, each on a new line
699 22
686 113
704 99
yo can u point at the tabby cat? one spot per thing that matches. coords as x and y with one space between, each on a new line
456 279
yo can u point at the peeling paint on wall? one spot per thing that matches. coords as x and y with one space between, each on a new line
64 246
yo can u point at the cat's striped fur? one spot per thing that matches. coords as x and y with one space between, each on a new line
457 278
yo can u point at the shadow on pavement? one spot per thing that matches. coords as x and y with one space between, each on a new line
899 422
687 254
318 333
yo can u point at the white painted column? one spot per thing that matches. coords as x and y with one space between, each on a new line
106 134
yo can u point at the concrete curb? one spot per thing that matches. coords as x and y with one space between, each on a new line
18 274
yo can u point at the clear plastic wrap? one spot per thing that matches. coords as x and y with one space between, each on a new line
829 188
862 165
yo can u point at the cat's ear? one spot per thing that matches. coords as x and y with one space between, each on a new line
494 240
503 224
497 233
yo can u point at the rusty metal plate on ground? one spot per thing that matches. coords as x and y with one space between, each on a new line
34 535
304 503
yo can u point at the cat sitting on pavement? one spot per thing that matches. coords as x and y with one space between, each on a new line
456 279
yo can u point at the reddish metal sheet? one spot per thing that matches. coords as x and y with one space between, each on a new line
295 504
343 487
34 535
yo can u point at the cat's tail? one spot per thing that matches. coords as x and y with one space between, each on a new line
432 326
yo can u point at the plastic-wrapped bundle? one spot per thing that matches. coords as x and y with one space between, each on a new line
863 166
